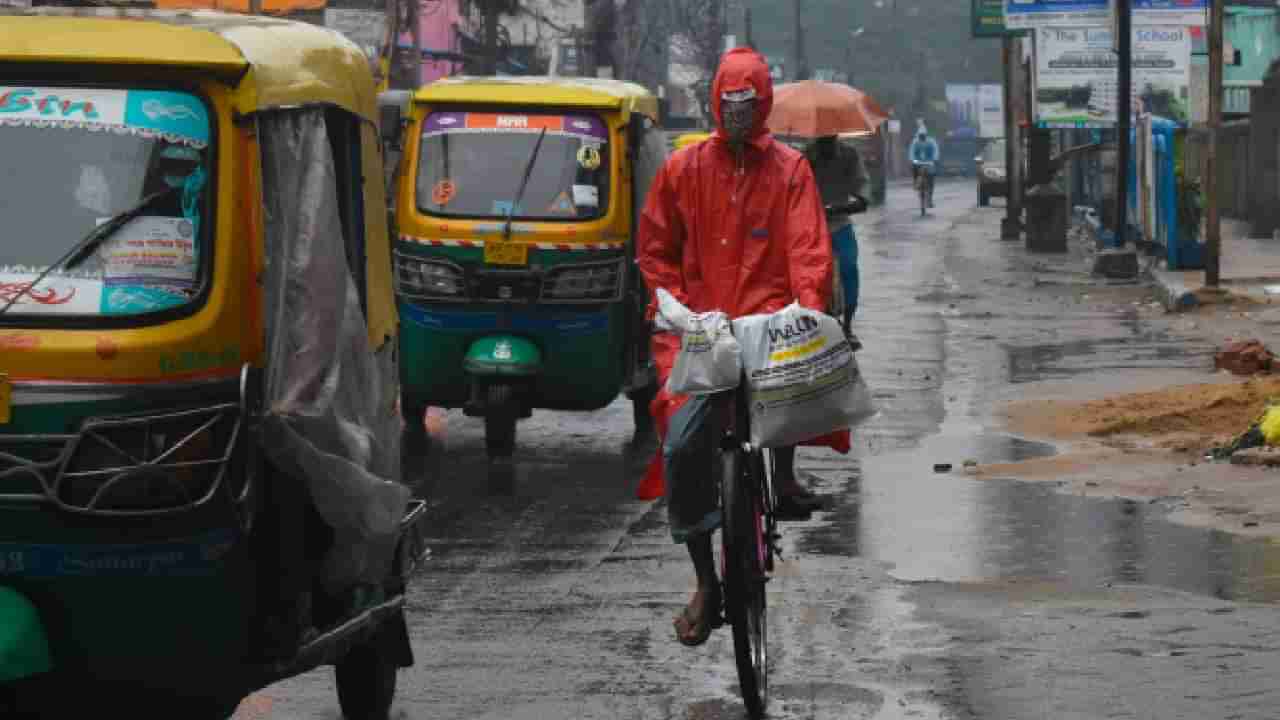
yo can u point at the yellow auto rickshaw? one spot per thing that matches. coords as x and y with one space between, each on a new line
517 204
199 492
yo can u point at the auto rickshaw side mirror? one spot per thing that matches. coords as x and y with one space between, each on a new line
392 106
389 123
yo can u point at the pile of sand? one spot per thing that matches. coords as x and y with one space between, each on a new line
1186 416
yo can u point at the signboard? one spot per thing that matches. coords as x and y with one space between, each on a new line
962 105
1041 13
990 111
1076 75
988 18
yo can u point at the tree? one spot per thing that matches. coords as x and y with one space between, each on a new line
698 40
639 29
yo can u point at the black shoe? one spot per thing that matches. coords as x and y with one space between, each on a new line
854 343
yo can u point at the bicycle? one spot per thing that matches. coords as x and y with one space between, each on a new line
924 185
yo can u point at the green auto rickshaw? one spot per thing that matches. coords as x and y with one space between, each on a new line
516 206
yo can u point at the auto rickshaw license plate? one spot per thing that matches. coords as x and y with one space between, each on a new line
504 252
6 399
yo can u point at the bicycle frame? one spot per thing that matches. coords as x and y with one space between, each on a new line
925 185
748 537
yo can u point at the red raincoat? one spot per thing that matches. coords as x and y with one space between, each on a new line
743 238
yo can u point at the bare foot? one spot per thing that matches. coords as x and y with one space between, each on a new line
695 623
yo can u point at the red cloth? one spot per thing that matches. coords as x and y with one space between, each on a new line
742 239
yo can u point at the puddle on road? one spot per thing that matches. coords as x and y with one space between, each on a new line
931 526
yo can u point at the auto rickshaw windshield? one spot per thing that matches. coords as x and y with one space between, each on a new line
78 156
472 164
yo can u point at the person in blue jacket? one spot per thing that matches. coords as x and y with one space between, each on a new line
924 151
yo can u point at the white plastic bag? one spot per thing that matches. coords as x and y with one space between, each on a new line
710 359
802 377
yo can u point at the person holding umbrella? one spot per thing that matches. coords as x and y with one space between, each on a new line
821 111
840 177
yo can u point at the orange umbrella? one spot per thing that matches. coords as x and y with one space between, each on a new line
812 108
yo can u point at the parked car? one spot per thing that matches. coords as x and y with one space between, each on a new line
954 153
992 178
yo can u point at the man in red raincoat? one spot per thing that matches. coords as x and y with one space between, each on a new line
735 224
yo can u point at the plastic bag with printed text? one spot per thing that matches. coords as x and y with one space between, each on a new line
710 359
802 378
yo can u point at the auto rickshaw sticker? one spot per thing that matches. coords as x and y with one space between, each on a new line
171 116
6 399
586 196
443 192
502 121
562 205
589 157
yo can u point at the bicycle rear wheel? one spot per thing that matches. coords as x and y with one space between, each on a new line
745 557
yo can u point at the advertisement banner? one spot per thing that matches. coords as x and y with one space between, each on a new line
990 111
962 105
1076 75
1044 13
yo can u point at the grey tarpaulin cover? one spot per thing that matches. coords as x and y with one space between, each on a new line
330 399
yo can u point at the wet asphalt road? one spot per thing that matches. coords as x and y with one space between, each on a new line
550 590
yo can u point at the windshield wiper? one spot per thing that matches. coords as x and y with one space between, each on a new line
83 249
528 171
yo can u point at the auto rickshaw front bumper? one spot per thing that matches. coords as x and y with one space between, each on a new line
24 648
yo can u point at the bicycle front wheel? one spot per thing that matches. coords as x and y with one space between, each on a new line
745 555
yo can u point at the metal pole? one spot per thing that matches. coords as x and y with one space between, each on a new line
747 29
1213 225
491 38
1010 226
1124 113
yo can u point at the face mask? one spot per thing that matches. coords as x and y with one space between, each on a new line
738 112
738 118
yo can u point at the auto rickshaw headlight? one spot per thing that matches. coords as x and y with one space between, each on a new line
576 283
417 277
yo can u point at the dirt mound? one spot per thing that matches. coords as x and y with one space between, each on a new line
1194 413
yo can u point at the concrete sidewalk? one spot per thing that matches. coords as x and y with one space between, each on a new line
1248 267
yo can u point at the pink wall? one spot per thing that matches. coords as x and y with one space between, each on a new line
437 19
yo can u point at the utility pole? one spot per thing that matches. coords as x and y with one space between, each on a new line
746 21
1212 219
802 63
1124 113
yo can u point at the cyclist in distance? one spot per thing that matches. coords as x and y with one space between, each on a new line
735 224
924 152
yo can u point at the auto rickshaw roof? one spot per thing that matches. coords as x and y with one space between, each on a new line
546 91
271 62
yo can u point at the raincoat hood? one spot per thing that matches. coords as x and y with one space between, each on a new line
743 68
